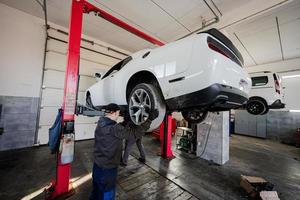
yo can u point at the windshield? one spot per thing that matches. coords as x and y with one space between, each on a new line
117 66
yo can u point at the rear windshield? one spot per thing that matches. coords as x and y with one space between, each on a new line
259 80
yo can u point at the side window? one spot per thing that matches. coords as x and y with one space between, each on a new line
117 66
260 80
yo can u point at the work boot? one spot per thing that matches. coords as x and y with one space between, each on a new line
142 160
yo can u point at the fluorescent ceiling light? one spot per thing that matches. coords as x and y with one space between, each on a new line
291 76
294 110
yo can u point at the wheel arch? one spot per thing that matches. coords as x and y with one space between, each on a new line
142 77
258 97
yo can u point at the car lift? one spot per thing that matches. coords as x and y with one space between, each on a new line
61 187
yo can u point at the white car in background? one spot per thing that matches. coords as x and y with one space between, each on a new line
197 74
266 93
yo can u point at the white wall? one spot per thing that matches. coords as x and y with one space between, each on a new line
291 90
22 38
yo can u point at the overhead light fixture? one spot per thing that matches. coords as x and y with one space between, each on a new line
291 76
294 110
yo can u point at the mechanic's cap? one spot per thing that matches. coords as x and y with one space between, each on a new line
112 107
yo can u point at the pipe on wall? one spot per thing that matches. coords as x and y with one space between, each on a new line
44 7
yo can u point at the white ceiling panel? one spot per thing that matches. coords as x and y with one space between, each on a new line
172 32
178 8
289 23
168 20
226 6
290 35
143 13
262 44
193 19
248 61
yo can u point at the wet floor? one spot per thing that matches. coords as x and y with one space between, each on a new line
26 171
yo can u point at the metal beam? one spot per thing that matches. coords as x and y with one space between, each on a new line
279 37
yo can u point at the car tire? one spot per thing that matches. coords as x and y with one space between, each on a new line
266 111
194 116
257 106
144 98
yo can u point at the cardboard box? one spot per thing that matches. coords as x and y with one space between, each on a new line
253 185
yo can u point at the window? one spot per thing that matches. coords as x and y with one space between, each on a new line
118 66
259 80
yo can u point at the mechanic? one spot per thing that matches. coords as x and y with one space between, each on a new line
130 142
109 137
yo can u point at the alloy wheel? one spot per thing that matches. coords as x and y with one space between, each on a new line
139 106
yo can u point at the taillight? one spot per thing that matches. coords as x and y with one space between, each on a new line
215 48
277 84
222 49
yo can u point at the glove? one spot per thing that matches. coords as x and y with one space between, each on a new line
153 115
126 118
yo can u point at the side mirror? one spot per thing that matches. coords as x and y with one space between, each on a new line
98 75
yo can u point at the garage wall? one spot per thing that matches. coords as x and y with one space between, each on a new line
91 61
22 39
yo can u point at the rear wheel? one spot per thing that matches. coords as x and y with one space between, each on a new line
194 116
266 111
143 99
257 106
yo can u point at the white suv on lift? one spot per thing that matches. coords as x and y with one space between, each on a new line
197 74
266 93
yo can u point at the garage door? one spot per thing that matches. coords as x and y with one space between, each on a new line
91 61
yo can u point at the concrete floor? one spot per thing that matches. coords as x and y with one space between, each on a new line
25 171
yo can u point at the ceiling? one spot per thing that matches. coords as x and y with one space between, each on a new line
253 29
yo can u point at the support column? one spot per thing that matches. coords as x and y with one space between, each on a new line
61 187
213 138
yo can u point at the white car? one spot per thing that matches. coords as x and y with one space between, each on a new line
194 75
266 93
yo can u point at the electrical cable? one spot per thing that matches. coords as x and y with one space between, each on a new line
206 140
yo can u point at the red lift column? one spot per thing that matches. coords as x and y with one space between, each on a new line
61 186
166 137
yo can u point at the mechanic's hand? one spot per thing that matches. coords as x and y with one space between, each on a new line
153 115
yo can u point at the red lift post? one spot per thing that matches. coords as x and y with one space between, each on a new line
61 187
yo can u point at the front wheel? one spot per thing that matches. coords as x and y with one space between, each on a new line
194 116
143 99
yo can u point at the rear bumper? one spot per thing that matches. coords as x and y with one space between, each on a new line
216 97
277 105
